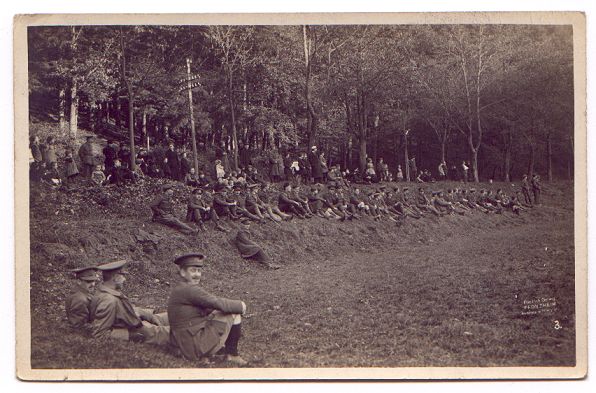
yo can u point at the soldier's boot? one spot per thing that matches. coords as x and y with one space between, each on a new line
236 359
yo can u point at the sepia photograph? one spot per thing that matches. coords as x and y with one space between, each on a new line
363 196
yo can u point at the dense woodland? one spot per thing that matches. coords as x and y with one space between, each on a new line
498 96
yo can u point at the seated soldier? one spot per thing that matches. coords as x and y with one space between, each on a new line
445 206
473 201
224 206
409 203
514 203
203 324
289 205
254 205
357 203
372 204
485 201
461 196
163 211
316 204
268 202
199 211
424 204
382 208
392 204
113 315
77 303
248 248
494 201
241 209
297 196
340 202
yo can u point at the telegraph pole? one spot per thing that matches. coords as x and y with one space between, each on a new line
189 81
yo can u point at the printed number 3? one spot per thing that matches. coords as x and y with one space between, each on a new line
557 325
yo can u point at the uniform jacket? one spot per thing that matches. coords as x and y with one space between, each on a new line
285 201
245 245
525 185
110 309
77 307
161 206
421 200
191 326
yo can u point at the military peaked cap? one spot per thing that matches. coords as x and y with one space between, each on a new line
191 259
116 267
86 273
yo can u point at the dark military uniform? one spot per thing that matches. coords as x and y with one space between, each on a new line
163 212
201 322
526 190
113 315
536 189
77 303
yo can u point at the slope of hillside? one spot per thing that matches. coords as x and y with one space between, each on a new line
435 291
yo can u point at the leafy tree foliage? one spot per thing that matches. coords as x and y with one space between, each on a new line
497 96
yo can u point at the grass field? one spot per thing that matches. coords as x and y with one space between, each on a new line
473 290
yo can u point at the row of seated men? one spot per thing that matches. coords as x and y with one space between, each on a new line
262 203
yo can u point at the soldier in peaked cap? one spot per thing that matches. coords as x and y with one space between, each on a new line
203 324
77 303
113 314
163 211
248 248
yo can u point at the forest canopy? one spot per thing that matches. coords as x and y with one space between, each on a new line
497 96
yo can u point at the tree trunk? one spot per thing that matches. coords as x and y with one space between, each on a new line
233 114
74 109
507 165
145 134
92 116
62 110
531 162
361 112
349 152
443 149
117 115
310 113
475 164
131 127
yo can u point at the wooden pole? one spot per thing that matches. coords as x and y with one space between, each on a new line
192 118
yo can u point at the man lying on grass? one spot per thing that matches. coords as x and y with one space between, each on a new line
203 324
